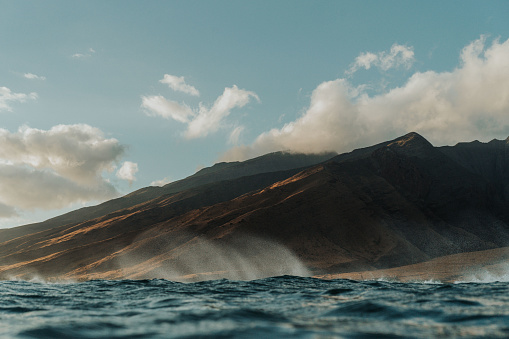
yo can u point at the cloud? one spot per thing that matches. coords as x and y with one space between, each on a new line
178 84
77 152
7 211
157 105
33 76
398 56
84 55
203 121
57 167
7 97
235 135
209 120
127 171
28 188
161 182
470 102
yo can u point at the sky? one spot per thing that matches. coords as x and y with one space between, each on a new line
100 98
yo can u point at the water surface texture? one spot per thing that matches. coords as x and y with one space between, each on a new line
282 307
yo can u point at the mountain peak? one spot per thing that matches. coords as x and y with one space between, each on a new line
411 144
410 139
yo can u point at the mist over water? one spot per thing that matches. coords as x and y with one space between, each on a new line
243 258
488 274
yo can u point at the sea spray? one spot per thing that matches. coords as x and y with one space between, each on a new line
496 272
243 258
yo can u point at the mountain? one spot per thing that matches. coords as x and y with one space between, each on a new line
272 162
400 202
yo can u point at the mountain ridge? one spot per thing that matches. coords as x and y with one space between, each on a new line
400 202
272 162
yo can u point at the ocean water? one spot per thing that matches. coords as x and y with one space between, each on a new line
279 307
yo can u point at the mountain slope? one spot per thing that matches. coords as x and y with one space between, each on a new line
396 203
272 162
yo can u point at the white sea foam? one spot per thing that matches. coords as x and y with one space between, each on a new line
498 272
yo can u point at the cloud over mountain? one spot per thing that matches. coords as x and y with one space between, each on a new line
29 188
471 100
128 171
55 168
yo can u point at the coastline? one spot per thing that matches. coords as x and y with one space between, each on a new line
481 266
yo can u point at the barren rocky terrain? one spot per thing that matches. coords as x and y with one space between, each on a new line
400 203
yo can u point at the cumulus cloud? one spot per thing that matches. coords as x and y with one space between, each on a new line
128 171
29 189
33 76
7 97
77 152
398 56
178 84
157 105
202 121
470 102
47 169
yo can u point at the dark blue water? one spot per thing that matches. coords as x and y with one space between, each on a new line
280 307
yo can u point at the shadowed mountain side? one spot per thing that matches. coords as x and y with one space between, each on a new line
338 217
489 160
272 162
397 203
97 238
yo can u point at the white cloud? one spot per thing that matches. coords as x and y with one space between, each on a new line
77 152
127 171
157 105
235 135
161 182
398 56
29 189
470 102
7 97
206 120
178 84
209 120
33 76
57 167
84 55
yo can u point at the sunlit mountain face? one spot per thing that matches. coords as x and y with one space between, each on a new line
397 203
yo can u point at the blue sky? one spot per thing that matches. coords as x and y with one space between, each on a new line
99 98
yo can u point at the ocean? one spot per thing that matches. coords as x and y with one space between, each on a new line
278 307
